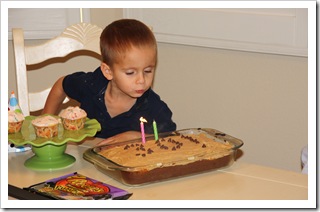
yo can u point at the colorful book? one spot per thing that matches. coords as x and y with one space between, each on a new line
75 186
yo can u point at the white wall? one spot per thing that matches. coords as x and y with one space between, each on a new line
259 98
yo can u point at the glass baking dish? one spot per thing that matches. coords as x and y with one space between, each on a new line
150 172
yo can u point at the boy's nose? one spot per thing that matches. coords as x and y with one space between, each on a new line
140 78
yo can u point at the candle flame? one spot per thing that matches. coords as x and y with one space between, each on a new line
143 119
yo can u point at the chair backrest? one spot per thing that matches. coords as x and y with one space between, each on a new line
82 36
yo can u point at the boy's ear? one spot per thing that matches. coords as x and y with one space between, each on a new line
106 71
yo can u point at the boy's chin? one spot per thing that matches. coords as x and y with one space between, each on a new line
135 96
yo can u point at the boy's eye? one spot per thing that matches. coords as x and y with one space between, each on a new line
129 72
148 70
132 71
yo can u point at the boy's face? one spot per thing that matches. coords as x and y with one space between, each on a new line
134 74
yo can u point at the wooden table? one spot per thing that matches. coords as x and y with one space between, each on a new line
241 181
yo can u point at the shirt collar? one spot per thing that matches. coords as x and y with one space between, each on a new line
140 105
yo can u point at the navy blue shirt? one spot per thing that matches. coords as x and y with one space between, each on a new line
89 89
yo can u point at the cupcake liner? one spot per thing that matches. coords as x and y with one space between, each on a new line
14 127
76 124
46 131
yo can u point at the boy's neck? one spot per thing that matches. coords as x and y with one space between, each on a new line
117 102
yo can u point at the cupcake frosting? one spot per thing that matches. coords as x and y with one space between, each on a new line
14 116
73 113
44 121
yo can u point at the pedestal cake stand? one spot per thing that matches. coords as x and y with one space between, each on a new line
49 153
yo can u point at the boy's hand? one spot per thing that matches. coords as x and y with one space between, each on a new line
125 136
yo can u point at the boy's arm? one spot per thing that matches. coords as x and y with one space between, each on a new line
55 98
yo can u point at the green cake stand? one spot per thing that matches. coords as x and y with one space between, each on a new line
49 153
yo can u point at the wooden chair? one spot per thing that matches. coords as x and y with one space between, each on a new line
82 36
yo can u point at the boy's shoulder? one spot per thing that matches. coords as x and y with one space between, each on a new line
154 100
94 77
153 95
96 74
93 81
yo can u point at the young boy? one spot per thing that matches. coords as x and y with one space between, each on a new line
118 92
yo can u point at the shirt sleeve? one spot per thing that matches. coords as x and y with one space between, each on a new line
73 85
164 120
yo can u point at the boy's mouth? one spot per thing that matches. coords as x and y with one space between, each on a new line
139 91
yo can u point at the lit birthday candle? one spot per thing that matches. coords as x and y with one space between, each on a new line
155 130
143 136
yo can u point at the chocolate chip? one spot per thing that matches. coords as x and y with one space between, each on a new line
221 134
204 146
143 155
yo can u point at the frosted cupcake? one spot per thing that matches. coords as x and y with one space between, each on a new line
73 118
46 126
15 121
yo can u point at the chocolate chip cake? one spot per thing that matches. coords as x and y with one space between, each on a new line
173 150
168 157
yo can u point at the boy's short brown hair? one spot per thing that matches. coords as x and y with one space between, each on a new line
121 35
